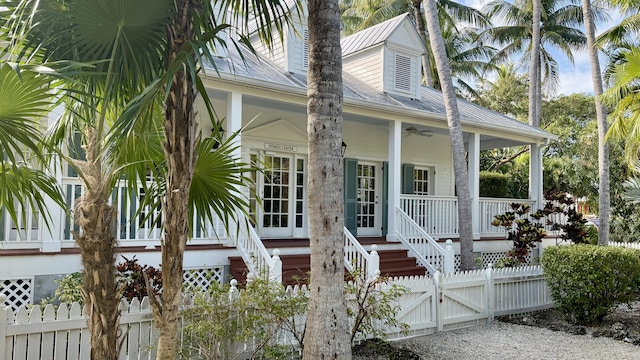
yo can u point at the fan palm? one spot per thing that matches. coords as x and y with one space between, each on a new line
25 98
131 51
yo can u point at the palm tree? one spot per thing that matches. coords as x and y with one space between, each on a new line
535 95
128 47
557 21
190 29
629 27
455 131
623 97
327 333
604 200
107 36
25 97
468 59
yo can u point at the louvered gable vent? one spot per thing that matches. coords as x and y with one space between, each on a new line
402 73
305 48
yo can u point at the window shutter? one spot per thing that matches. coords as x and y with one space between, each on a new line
403 73
351 195
407 178
385 198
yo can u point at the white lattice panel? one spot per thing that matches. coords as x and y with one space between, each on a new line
203 277
491 258
19 292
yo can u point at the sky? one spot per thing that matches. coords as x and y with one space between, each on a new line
574 78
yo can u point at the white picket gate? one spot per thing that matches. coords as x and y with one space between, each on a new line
441 302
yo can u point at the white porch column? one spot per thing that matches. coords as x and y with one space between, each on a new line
535 175
233 125
474 182
234 119
51 240
394 171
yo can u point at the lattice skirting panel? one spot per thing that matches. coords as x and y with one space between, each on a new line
202 278
19 292
487 258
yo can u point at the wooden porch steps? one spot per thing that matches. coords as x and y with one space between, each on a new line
295 267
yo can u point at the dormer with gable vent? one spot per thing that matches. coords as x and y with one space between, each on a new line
386 57
292 52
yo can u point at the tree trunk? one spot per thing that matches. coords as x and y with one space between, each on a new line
327 330
455 131
426 64
601 114
535 100
96 218
180 131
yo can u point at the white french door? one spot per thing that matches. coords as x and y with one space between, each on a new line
368 216
282 190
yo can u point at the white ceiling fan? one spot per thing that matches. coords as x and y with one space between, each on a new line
412 130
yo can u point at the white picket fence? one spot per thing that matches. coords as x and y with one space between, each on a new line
441 302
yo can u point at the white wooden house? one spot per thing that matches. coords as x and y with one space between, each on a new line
399 181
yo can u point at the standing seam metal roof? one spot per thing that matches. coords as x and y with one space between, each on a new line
262 70
372 36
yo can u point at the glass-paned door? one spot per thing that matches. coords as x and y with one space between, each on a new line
367 218
276 192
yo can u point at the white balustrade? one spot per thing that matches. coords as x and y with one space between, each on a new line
356 257
422 246
438 216
256 256
135 225
490 207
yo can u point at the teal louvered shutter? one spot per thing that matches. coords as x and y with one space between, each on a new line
351 195
407 178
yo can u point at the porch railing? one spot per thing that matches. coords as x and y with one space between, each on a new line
135 225
438 216
423 247
256 256
356 257
490 207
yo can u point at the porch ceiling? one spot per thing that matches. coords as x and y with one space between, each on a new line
261 110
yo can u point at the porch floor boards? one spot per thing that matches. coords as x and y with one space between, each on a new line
295 267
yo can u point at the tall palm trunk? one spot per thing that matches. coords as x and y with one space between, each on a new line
426 64
601 114
535 100
96 219
180 131
327 333
455 131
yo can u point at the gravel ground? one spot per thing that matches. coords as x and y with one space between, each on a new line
510 341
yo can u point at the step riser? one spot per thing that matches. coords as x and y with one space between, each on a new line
296 266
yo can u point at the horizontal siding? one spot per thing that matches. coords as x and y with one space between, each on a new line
365 66
276 54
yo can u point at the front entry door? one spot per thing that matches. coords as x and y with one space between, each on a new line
368 219
282 188
276 186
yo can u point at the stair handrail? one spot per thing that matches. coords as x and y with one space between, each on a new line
357 257
422 246
256 256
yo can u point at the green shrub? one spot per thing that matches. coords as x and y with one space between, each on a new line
494 184
587 282
222 319
372 306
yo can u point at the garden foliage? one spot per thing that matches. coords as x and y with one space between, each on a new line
587 282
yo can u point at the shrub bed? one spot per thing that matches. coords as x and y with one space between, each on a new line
587 282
